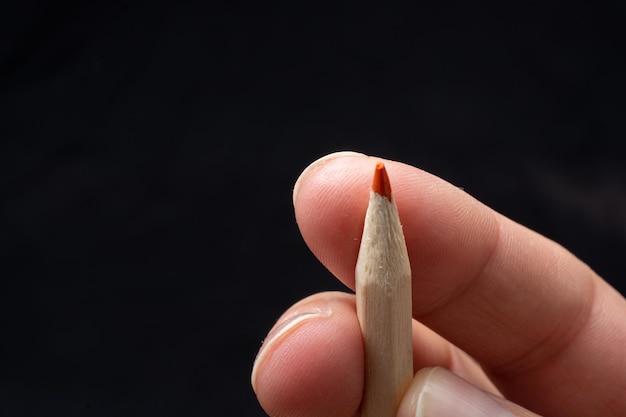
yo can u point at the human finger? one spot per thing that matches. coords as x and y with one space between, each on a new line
437 392
544 326
311 363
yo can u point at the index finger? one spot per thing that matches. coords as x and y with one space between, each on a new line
547 329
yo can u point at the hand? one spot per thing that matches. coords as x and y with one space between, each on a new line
502 315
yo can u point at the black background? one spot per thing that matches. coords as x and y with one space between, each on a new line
149 151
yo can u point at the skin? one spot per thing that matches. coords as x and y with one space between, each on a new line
509 310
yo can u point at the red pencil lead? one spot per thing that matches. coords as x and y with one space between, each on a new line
381 184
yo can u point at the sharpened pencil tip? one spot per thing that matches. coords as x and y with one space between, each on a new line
381 184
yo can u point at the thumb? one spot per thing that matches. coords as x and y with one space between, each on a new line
436 392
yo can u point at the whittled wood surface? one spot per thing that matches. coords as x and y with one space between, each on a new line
383 290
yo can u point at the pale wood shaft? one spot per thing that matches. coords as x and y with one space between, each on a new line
383 291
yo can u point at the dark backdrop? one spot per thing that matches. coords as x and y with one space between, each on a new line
149 151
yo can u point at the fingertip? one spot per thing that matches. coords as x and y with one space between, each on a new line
330 196
313 364
437 392
306 309
318 163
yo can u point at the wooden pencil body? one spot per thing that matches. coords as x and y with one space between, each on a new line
383 290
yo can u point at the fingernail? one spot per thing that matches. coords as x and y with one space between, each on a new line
285 326
315 164
444 394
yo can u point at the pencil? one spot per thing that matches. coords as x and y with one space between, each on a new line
383 294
